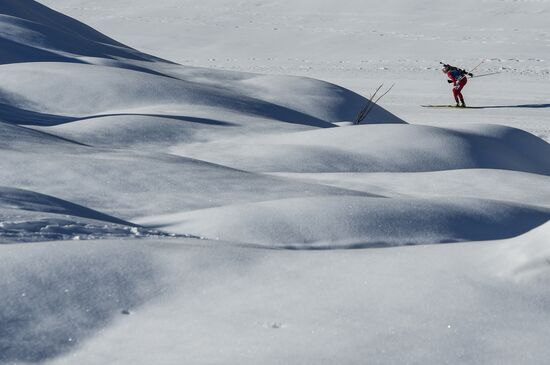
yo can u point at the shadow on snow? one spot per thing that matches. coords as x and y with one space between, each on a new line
528 106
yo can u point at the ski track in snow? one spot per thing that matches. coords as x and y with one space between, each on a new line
214 202
67 229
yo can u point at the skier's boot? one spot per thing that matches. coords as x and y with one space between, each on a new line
463 105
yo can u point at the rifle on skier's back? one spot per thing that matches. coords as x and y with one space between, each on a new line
462 72
469 73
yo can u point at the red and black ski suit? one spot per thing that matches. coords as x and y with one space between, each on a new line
459 80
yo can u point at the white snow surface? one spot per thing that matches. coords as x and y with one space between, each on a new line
357 222
178 302
210 201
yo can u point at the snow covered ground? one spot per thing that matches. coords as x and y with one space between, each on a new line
357 44
208 201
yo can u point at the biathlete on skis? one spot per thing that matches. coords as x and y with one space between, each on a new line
458 77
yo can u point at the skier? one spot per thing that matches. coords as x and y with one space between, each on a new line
458 77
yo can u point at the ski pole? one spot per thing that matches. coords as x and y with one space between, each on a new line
489 74
476 66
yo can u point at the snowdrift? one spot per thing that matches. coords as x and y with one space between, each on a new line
85 301
18 138
27 216
83 64
130 184
31 201
526 260
504 185
31 32
384 148
355 222
34 96
54 296
87 131
79 120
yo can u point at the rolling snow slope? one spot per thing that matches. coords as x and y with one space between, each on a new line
357 44
102 93
357 222
380 148
172 302
226 213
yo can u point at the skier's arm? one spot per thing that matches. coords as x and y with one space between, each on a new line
451 77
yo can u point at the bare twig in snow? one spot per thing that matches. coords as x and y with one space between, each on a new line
371 103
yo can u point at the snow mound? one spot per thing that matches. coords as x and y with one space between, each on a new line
121 80
506 185
526 258
384 148
354 222
31 32
27 216
52 95
11 198
143 130
128 184
17 138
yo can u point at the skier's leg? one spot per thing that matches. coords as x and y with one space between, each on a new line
461 97
459 88
455 94
459 93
